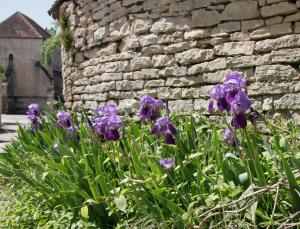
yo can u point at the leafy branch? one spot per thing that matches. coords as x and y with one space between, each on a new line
48 48
62 36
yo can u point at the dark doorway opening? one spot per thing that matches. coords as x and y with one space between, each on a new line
9 74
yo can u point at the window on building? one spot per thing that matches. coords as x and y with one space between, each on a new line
10 60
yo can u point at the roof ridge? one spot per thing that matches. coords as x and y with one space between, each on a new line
20 25
29 24
37 27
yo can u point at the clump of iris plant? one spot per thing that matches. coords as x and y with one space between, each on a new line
232 96
33 115
64 120
167 163
164 127
150 108
107 123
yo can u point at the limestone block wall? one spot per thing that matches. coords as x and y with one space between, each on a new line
178 49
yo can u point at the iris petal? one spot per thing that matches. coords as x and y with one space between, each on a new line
239 121
164 127
169 138
112 135
235 79
229 135
210 106
222 104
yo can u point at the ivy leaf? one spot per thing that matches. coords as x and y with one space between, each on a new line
121 203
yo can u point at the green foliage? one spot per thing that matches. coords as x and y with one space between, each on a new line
24 208
1 68
66 35
48 48
2 71
122 185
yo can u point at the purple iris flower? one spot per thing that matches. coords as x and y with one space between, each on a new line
236 80
107 126
106 110
167 163
150 108
164 127
64 120
233 84
99 125
232 96
219 94
33 114
229 135
33 110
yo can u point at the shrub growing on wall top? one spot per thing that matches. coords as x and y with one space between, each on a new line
66 36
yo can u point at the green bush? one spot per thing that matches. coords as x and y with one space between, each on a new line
121 184
48 48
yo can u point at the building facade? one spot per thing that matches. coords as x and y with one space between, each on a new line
178 49
21 42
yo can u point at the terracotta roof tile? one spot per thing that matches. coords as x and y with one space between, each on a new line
20 26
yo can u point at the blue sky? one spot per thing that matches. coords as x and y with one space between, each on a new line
35 9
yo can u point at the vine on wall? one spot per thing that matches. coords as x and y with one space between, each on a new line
66 35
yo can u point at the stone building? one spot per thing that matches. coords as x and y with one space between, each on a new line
178 49
20 50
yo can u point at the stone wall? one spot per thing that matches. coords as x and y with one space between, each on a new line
178 49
